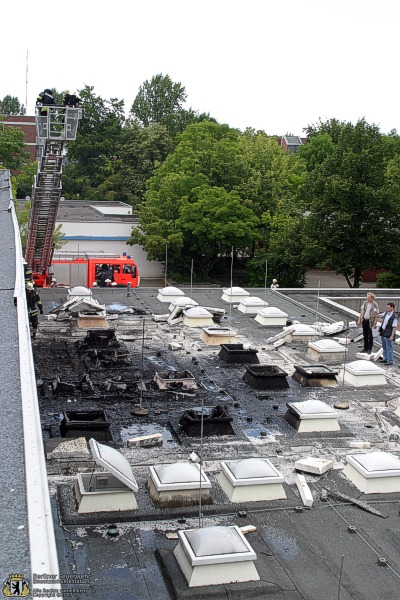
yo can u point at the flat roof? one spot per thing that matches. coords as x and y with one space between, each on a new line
298 550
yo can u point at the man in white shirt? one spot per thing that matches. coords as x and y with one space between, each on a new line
274 284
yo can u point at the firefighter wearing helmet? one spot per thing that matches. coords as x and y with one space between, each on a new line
34 305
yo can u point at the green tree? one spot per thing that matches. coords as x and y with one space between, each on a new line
206 156
284 254
316 150
224 164
269 177
10 105
25 179
157 99
215 222
161 100
354 212
13 154
92 157
141 150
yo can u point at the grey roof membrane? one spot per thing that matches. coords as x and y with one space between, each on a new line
14 534
298 553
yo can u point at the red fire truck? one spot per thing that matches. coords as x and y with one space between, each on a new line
103 270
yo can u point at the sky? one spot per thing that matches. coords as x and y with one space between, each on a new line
274 65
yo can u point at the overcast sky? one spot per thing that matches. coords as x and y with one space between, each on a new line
275 65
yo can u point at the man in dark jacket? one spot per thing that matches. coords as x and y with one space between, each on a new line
44 100
34 304
387 331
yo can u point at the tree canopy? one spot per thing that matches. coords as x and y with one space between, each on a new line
10 105
212 192
13 154
354 211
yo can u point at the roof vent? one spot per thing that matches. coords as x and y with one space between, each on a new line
311 415
251 480
178 484
200 550
215 336
197 316
169 293
251 305
327 351
361 372
183 302
271 316
110 490
234 294
374 473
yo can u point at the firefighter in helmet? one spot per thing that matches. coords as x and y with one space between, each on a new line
34 305
44 101
29 276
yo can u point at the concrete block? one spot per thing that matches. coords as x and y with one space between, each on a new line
342 340
363 356
248 529
305 492
310 464
160 318
174 346
76 448
155 439
359 444
280 335
279 343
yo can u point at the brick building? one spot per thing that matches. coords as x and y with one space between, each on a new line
28 126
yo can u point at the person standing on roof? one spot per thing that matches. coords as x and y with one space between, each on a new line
35 306
368 317
387 331
44 101
274 284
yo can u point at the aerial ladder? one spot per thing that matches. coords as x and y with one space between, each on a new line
53 130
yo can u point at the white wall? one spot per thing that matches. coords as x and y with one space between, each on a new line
148 269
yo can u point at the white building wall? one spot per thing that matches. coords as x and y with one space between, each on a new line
108 238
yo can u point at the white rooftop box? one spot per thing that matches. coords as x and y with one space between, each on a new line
311 415
361 372
327 351
197 317
234 294
251 480
178 484
300 332
111 490
215 556
251 305
271 316
374 473
215 336
169 293
79 291
182 302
